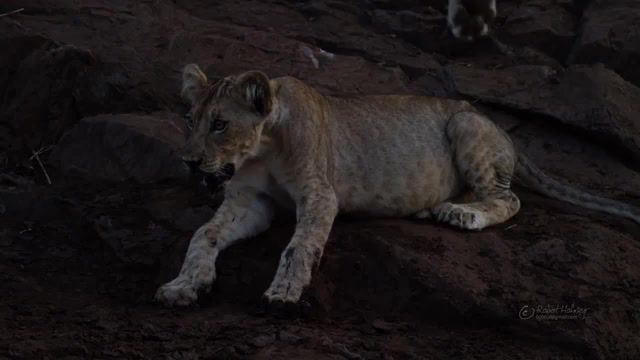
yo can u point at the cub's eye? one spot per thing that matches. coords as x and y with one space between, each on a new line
219 126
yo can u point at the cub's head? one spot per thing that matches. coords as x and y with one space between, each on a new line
226 120
471 19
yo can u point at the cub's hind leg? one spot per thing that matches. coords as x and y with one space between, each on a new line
485 159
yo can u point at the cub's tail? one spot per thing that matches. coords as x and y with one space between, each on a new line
531 176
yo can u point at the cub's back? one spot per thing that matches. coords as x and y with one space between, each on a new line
389 150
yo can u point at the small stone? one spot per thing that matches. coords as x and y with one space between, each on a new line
289 337
382 326
241 349
262 340
121 147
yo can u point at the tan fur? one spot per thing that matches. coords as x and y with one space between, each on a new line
369 155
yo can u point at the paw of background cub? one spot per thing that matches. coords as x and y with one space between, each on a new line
178 292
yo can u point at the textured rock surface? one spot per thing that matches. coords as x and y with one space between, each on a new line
610 34
121 147
591 98
39 90
548 25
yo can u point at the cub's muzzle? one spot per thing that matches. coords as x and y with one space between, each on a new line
193 165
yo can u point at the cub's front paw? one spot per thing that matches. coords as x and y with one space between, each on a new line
178 292
284 291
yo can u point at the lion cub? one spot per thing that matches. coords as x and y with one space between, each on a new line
471 19
372 155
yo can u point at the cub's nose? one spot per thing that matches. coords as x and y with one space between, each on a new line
193 164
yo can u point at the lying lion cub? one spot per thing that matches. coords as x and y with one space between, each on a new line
373 155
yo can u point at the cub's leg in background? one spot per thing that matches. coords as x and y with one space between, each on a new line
485 159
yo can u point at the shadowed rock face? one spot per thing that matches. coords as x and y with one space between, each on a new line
144 148
99 83
591 98
610 34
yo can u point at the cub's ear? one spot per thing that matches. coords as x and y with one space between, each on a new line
193 82
253 87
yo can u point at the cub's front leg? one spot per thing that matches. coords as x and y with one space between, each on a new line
241 215
315 214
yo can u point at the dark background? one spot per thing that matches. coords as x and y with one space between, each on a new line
80 259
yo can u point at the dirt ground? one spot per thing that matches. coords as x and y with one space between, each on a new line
93 88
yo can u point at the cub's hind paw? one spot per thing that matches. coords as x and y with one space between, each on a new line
460 216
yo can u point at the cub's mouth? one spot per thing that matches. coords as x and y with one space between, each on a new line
214 181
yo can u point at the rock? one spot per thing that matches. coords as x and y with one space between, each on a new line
141 244
342 349
51 85
547 25
275 54
241 348
114 88
121 147
262 340
499 85
39 105
382 326
591 98
18 47
575 160
192 218
488 277
424 29
610 34
114 237
290 337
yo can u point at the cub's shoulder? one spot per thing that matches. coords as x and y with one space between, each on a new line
291 89
286 82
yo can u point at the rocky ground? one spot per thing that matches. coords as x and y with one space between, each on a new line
91 87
